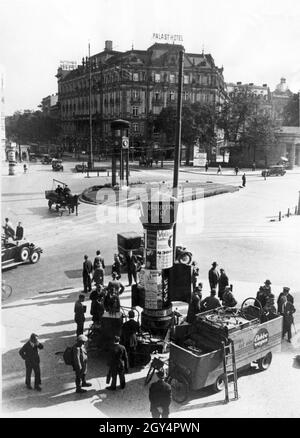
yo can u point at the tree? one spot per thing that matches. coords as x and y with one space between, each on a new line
32 126
291 116
197 124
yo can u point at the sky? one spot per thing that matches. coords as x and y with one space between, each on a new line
255 40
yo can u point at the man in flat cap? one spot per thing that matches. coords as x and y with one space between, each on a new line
263 293
80 363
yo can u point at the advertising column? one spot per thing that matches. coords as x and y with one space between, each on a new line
11 156
158 216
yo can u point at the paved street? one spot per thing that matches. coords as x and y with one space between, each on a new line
238 230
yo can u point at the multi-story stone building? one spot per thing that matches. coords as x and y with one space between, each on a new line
134 85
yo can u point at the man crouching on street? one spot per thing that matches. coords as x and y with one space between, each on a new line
80 364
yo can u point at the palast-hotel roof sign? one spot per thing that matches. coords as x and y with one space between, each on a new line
166 37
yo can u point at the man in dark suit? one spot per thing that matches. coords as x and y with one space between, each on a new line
19 231
87 270
194 304
29 352
131 267
118 364
223 282
287 311
213 276
285 292
129 331
80 363
79 318
160 397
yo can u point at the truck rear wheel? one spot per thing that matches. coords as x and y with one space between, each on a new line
265 362
180 389
219 384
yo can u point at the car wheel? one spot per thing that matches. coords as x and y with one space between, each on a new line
24 254
265 362
35 257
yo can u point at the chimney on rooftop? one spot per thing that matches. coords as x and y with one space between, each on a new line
108 45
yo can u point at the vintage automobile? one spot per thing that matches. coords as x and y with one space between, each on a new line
274 171
17 253
46 159
57 165
81 167
32 158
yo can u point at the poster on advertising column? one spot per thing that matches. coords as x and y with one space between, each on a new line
153 289
159 249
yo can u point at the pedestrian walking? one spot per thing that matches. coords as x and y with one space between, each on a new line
87 270
80 364
244 180
219 169
19 231
98 260
118 365
236 169
213 276
160 396
223 282
25 168
30 353
131 267
253 167
211 302
287 311
130 329
79 311
206 166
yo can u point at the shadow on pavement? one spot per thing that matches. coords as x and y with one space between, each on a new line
60 299
58 379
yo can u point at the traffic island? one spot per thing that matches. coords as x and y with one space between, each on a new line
188 191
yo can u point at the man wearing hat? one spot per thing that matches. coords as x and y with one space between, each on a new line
29 352
213 276
263 293
160 397
80 364
287 311
118 364
285 292
223 282
129 331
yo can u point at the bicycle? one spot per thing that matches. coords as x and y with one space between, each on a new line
157 363
6 291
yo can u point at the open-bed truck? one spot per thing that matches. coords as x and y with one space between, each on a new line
199 351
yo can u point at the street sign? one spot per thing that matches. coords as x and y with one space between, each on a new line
125 142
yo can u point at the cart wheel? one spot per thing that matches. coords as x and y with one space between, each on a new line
219 384
149 375
24 254
35 257
265 362
180 389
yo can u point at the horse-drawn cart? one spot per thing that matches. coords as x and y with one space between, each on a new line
62 198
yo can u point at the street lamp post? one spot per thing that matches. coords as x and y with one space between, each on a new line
90 163
178 140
